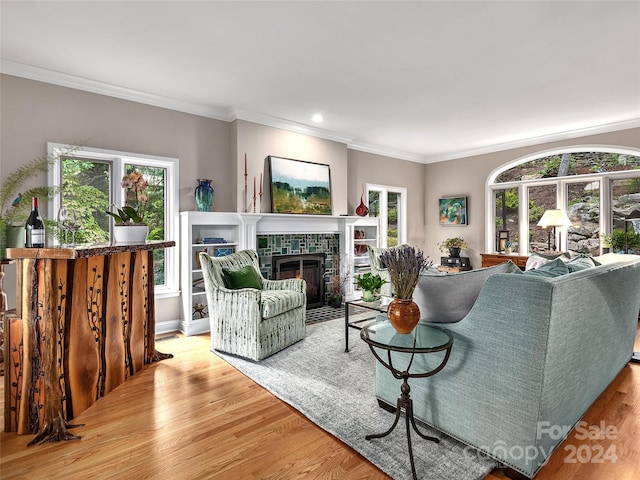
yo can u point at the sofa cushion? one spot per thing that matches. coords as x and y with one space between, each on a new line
581 262
275 302
552 269
245 277
537 259
448 298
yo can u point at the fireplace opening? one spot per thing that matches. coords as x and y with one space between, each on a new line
309 266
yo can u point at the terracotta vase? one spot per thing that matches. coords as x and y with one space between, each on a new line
404 315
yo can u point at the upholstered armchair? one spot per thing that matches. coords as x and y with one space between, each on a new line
251 322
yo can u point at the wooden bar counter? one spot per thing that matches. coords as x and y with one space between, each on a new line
85 323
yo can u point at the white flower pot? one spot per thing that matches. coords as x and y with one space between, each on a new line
130 234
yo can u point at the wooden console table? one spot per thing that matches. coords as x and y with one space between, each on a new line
85 323
491 259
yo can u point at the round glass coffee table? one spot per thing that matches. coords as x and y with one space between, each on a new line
396 352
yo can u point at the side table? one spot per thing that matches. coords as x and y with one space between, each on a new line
380 306
401 349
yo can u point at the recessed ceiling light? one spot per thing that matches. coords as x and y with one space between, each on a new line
317 118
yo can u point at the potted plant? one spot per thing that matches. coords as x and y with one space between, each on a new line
337 282
615 241
405 264
453 245
15 203
129 226
370 285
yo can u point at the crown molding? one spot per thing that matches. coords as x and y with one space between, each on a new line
79 83
538 140
230 114
269 121
386 152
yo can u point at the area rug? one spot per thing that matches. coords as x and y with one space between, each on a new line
336 391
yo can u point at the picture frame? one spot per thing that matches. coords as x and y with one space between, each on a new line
502 239
452 211
298 186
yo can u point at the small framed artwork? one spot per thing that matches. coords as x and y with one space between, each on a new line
503 238
453 211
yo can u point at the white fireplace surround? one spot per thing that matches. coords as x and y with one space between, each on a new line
254 224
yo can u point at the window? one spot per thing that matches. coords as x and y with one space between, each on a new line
389 204
90 184
596 187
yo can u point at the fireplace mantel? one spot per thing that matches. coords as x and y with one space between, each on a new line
248 226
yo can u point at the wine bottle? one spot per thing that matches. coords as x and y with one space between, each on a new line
34 229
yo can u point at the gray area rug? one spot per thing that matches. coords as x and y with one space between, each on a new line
336 391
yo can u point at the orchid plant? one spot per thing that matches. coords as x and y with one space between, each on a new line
135 200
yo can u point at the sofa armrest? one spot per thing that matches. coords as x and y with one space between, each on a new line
295 284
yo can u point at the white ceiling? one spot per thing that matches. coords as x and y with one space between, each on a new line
425 81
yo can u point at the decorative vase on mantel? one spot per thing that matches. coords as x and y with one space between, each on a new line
130 234
454 252
204 195
403 314
362 210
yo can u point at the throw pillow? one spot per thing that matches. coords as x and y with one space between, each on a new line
552 269
245 277
536 259
581 262
448 298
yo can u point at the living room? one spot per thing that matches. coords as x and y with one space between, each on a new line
43 103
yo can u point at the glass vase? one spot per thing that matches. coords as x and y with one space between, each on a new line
204 195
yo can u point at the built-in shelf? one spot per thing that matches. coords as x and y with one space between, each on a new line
239 230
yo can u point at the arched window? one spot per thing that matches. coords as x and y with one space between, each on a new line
597 187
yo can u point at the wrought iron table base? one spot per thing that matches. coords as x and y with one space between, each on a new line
405 402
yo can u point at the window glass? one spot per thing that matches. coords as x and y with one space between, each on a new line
583 209
625 198
541 198
392 218
567 164
507 222
86 190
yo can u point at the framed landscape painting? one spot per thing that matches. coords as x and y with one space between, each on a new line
453 211
299 187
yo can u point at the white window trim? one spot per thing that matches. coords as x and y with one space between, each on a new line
561 191
402 213
118 160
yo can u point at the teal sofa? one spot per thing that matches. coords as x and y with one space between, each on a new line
528 360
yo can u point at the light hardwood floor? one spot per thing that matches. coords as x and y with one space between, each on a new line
195 417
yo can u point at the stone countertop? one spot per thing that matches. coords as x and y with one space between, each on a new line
82 251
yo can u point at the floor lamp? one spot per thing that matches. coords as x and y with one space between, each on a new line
553 218
632 217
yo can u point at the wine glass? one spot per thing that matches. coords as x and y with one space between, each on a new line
63 219
73 224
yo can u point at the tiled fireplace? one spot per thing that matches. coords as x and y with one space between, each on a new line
278 246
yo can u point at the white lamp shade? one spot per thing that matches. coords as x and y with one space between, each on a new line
554 218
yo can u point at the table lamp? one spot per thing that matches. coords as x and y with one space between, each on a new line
553 218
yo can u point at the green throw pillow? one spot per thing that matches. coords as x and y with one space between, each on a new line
246 277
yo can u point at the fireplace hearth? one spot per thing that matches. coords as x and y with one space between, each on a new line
309 266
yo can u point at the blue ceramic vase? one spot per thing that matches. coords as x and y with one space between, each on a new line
204 195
